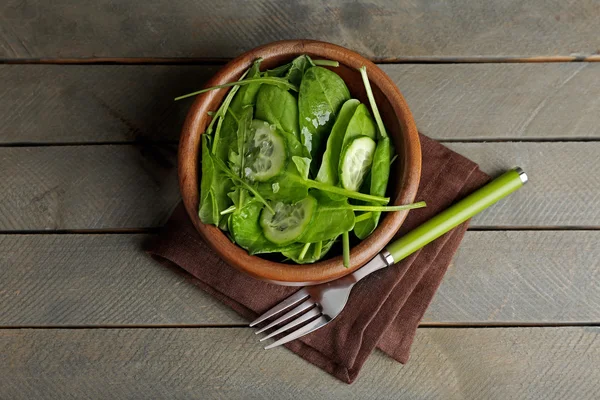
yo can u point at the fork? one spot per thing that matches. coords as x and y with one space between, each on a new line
313 307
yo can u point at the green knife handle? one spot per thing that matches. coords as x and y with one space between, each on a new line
456 214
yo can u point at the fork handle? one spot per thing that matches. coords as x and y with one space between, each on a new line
456 214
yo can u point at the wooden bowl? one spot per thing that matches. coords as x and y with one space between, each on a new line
404 180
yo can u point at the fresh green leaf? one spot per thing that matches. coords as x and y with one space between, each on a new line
328 172
322 93
278 107
278 71
297 69
380 173
238 98
330 219
239 181
361 124
209 209
291 187
303 165
294 187
247 93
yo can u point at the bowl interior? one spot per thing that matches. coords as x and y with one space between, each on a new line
405 171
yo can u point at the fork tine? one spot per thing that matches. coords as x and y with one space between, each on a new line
313 326
292 313
284 305
315 312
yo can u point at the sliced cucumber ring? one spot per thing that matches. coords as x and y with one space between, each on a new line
357 158
266 154
289 221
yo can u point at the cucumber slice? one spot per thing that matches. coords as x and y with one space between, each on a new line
266 153
357 158
289 221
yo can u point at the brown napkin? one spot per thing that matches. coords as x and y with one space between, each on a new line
384 309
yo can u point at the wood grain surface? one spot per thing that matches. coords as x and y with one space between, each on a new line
87 187
382 30
106 280
105 103
532 363
109 103
127 186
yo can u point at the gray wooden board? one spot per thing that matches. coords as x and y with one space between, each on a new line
107 280
75 103
381 29
532 363
87 187
126 186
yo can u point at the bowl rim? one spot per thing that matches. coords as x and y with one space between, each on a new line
325 270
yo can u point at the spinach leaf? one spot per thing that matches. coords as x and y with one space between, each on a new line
214 186
226 133
302 165
291 183
328 172
293 71
380 173
322 93
288 186
278 107
209 210
247 94
297 69
239 182
295 148
278 71
361 124
330 219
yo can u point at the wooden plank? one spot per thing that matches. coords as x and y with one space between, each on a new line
502 101
87 187
97 280
382 29
521 277
74 104
98 187
562 188
532 363
101 103
106 280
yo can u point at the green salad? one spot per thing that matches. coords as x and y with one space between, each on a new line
291 163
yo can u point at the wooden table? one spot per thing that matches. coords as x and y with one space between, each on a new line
87 174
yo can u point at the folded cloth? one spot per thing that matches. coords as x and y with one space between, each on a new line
384 309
